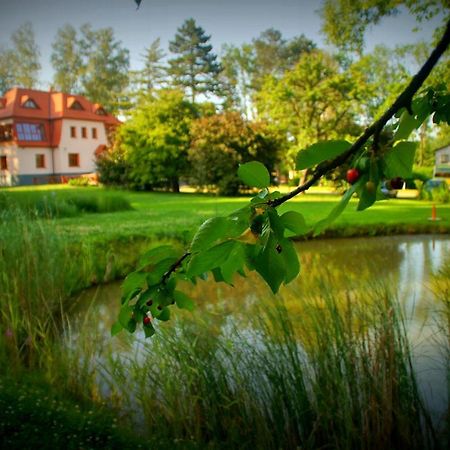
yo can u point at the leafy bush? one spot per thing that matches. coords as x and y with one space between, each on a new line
80 181
439 194
223 141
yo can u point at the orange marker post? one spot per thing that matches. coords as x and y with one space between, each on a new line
434 217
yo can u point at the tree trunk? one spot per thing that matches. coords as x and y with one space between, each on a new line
175 185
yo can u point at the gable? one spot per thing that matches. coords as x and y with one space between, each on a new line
28 102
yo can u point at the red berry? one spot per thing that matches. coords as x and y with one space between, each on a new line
352 175
147 320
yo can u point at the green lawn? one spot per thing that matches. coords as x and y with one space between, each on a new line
177 215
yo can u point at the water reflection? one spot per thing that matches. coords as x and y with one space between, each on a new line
351 270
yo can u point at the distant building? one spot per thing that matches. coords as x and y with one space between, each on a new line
442 162
50 136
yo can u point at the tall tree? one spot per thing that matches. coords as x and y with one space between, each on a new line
311 102
237 73
380 76
23 58
6 70
344 22
106 62
154 70
196 68
67 60
155 140
246 67
274 54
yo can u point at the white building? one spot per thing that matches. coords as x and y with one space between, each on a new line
442 162
49 136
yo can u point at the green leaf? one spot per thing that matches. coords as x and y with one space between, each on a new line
234 263
399 160
276 225
132 285
270 264
295 222
254 174
183 301
366 197
157 272
205 261
421 108
406 125
149 330
209 232
320 151
125 314
336 211
164 315
126 318
116 328
156 254
290 257
238 221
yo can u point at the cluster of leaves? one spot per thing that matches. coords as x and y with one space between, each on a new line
221 142
256 237
166 140
252 238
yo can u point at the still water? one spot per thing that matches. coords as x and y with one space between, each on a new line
409 266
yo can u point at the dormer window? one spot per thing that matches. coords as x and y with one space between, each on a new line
30 104
75 105
99 110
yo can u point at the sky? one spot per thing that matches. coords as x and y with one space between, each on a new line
226 21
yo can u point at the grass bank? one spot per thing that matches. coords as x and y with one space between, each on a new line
176 216
206 383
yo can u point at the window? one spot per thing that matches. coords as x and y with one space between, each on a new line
76 105
30 104
444 159
94 133
73 132
83 132
5 132
74 160
30 131
3 163
100 111
40 161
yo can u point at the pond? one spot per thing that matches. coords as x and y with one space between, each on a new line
347 269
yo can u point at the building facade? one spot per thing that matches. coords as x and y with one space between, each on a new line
50 136
442 162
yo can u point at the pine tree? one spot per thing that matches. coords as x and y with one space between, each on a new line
195 69
154 71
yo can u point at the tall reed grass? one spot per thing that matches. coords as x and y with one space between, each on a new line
63 202
38 272
339 376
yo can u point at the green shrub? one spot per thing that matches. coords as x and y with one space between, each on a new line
80 181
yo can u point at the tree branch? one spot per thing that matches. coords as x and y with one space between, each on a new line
402 101
174 267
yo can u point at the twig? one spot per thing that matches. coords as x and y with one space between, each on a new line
402 101
174 267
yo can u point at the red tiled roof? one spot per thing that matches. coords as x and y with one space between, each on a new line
51 105
51 108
